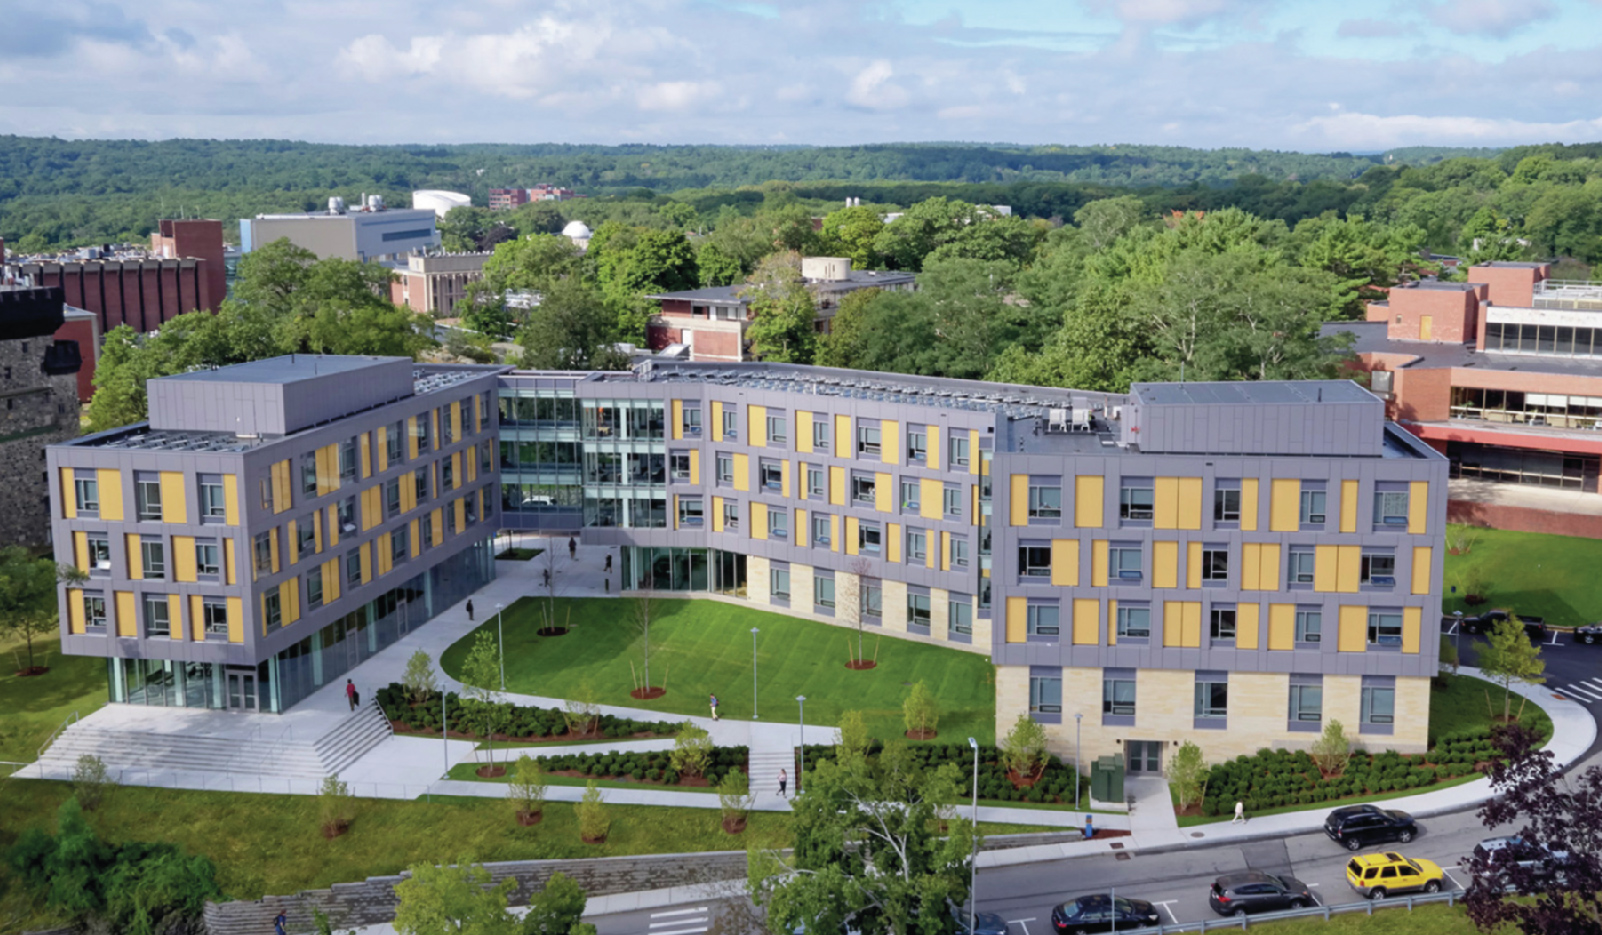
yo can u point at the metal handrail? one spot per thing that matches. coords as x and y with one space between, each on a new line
1450 897
70 720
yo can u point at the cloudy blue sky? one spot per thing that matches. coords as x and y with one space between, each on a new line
1312 75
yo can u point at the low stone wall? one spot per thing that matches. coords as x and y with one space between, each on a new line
373 901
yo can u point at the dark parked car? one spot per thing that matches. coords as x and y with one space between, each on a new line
1512 850
985 923
1236 894
1103 913
1591 633
1534 627
1357 826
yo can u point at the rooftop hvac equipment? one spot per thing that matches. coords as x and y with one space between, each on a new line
336 205
1059 420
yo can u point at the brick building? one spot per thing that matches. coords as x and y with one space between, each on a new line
432 283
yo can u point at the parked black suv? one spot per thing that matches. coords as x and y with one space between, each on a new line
1534 627
1591 633
1103 913
1357 826
1236 894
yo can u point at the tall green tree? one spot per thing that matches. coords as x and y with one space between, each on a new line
571 329
850 232
446 899
1510 657
28 596
783 326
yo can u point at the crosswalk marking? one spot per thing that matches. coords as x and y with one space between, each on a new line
691 921
1593 683
1589 694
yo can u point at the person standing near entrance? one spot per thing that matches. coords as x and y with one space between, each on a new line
784 779
608 563
469 610
1240 813
714 703
279 921
350 693
572 548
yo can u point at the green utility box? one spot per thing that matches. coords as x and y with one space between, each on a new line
1107 779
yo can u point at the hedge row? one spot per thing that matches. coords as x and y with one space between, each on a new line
645 766
1056 784
522 720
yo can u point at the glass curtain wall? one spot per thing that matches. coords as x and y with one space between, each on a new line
541 471
683 569
625 463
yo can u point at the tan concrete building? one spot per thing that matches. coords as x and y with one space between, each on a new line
433 283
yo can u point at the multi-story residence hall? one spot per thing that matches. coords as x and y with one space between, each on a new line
1238 563
273 524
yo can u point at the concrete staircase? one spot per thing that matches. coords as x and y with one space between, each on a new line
131 751
764 766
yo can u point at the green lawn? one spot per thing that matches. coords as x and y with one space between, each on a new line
31 708
702 647
1461 706
1548 576
1434 919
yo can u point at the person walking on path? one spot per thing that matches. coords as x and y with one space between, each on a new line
1240 813
469 610
350 693
714 703
784 778
572 548
279 921
608 563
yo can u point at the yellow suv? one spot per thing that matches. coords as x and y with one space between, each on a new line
1376 876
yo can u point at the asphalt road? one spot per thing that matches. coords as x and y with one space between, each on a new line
1573 670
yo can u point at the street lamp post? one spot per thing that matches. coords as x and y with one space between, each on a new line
754 632
801 700
973 854
500 637
1457 638
1077 719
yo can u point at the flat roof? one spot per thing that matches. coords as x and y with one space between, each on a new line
1371 339
290 368
1251 392
1514 264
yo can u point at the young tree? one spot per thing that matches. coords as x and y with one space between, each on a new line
853 594
453 899
90 781
1187 774
854 739
592 818
644 605
481 674
557 908
571 329
28 597
580 712
528 786
734 800
1332 751
419 677
921 711
1023 750
1509 657
334 798
692 751
1553 814
868 856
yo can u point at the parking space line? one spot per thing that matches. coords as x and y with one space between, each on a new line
1452 631
1554 639
1455 881
1022 922
1165 904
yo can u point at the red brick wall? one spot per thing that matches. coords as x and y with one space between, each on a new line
1524 519
1454 314
716 345
1422 395
676 307
1512 286
202 240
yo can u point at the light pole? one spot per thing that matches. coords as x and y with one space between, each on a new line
445 734
1457 639
801 700
754 632
500 637
1077 719
973 854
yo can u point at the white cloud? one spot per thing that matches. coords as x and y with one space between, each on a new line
1371 131
1488 17
1163 12
871 88
374 58
676 95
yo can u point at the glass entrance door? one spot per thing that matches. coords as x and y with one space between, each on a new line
242 691
1144 756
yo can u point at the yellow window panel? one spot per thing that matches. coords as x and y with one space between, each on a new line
1418 507
717 514
1326 561
884 494
1087 622
756 426
1193 564
366 557
784 478
461 515
1019 496
412 538
69 493
110 482
75 617
1421 569
411 438
945 551
893 547
695 465
197 618
842 437
136 563
837 485
456 421
742 472
1353 629
1412 627
676 414
717 421
1350 568
366 446
1165 503
890 441
975 462
759 520
1165 564
1098 563
1087 500
231 499
931 498
1190 503
1248 504
80 551
383 448
803 533
933 455
174 497
1192 633
1281 627
228 561
1112 622
1269 566
272 545
1017 620
1249 562
1285 514
851 535
183 558
1349 506
1065 563
834 534
456 471
1246 626
236 620
127 614
1173 623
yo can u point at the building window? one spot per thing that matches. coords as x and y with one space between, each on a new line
1390 508
1306 703
911 496
347 515
1212 695
731 515
215 614
679 465
917 447
778 523
917 546
778 429
1123 563
1222 625
731 425
86 495
868 440
1134 622
725 470
353 568
820 530
392 498
94 611
958 446
1215 566
425 532
447 474
147 496
400 545
959 616
863 488
99 553
872 598
1379 703
1118 694
1384 629
870 538
1034 561
771 473
308 474
1042 620
158 619
213 501
1379 569
347 460
420 430
959 552
692 422
420 484
1045 694
1045 501
1137 499
306 535
1300 568
470 509
1309 625
208 558
820 433
918 613
1312 506
1226 502
392 445
817 487
264 553
691 512
272 609
314 588
823 592
153 558
486 463
953 501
